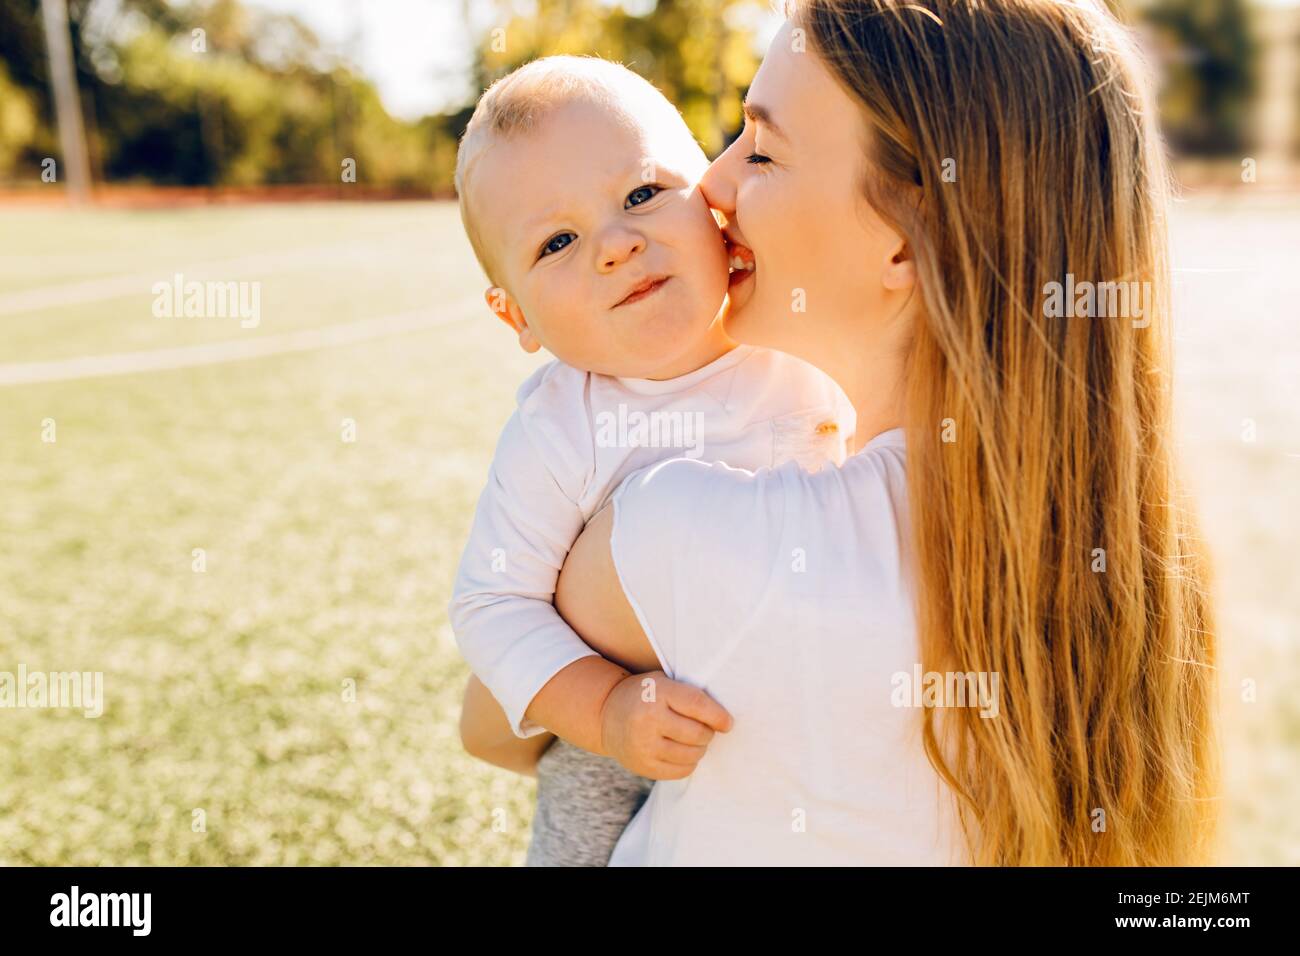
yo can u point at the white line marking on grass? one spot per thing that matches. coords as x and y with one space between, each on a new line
215 353
74 293
82 291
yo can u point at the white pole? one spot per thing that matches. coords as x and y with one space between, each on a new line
72 134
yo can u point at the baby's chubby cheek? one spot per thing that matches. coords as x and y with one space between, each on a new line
708 261
560 328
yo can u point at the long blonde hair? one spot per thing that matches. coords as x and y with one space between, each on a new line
1013 145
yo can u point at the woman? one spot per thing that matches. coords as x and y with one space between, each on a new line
917 182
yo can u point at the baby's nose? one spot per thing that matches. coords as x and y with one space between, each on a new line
618 249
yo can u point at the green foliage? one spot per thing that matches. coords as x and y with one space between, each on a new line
699 53
18 126
225 116
267 103
1211 72
258 101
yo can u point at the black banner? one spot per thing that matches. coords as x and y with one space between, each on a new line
334 906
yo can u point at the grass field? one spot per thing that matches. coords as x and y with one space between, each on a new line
330 561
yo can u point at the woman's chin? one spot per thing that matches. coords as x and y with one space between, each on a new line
739 295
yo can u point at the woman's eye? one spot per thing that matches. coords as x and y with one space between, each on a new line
757 159
556 243
639 196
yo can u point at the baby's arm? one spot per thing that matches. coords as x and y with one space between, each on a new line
486 734
517 644
654 726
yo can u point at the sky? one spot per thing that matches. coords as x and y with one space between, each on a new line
418 52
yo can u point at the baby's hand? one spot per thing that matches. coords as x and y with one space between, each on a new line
658 727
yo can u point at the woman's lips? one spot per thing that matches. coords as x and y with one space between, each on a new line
643 290
737 276
740 260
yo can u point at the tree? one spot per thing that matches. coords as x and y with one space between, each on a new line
700 53
1211 64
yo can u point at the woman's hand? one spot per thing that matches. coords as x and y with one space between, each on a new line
659 728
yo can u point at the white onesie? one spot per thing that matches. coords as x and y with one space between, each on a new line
573 439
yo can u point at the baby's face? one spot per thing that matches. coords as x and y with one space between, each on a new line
605 248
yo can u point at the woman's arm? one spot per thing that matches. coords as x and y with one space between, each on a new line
486 734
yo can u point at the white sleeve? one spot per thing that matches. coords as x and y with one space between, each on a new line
694 545
502 610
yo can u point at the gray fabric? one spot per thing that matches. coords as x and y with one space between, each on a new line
583 804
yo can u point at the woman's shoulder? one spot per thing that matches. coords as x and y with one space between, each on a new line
833 500
883 456
705 552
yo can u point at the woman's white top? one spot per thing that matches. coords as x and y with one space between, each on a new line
574 438
786 596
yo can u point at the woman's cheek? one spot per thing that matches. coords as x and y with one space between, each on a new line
767 222
795 228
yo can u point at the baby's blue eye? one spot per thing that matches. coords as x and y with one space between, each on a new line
556 243
639 196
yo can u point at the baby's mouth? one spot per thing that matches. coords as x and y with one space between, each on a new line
740 261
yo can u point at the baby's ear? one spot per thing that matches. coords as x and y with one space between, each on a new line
505 308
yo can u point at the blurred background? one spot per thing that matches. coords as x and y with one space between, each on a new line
248 519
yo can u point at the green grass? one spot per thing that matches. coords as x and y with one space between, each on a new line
326 561
330 561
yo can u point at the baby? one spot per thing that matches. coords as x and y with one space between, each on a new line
578 185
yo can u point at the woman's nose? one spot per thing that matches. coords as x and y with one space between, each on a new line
618 247
718 185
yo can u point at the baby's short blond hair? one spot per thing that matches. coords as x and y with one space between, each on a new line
517 103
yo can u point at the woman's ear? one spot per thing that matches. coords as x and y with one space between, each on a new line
900 271
505 308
